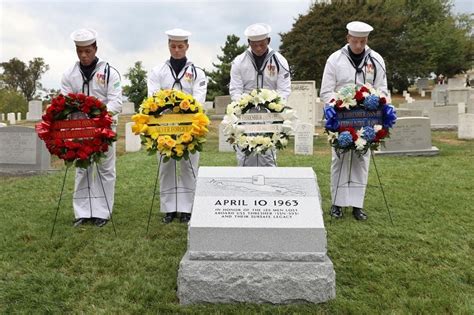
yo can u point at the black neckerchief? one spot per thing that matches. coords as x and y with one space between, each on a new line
356 58
178 64
88 71
259 59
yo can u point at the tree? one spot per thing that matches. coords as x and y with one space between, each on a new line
219 79
12 102
137 90
17 76
404 34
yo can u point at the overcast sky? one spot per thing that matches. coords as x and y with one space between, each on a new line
134 30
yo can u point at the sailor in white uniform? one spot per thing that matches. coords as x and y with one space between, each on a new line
177 189
95 77
355 63
259 67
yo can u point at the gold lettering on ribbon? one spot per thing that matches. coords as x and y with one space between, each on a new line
170 130
171 119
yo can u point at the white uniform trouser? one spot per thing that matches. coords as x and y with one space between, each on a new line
352 179
90 178
263 160
183 183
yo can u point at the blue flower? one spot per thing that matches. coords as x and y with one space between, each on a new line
368 134
389 116
332 122
344 139
371 102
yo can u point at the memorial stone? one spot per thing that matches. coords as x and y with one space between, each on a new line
409 136
466 126
444 117
132 141
18 116
422 93
458 95
208 105
422 84
2 117
439 95
11 118
302 100
405 112
35 108
256 236
221 103
424 105
224 146
21 150
304 135
456 83
128 108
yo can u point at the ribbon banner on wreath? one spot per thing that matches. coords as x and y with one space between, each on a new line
259 121
358 119
172 123
77 129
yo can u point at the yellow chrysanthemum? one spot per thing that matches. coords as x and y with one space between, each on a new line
186 137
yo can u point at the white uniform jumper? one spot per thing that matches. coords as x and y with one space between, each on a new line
339 72
105 85
244 77
190 80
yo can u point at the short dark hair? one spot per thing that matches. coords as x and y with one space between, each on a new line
185 41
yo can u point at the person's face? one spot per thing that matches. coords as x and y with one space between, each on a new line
178 48
259 47
357 44
86 54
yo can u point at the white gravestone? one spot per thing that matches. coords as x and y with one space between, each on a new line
410 136
461 108
444 117
224 146
132 141
456 83
439 95
466 126
256 235
221 103
304 139
35 108
302 100
3 116
424 105
404 93
208 105
11 118
405 112
22 150
459 95
18 116
128 108
422 93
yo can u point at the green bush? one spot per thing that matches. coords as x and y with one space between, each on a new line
12 102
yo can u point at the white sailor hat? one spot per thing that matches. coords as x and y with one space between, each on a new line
178 34
84 36
257 31
359 29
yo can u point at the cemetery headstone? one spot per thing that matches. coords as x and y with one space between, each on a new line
132 141
304 135
11 118
35 108
256 235
2 116
409 136
439 95
22 151
221 103
424 105
224 146
128 108
302 100
458 95
406 112
18 116
466 126
444 117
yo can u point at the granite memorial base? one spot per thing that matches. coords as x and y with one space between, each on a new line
256 235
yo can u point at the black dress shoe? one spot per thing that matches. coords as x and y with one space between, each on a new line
185 217
336 212
99 222
359 214
80 221
169 217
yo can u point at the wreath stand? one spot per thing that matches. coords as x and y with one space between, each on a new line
89 197
257 156
361 184
172 190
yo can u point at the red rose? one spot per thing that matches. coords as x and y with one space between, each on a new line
338 103
359 97
82 155
383 101
70 155
382 133
364 89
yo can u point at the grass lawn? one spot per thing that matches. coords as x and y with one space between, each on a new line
421 264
